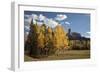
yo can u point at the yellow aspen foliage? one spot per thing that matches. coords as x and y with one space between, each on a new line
40 40
60 39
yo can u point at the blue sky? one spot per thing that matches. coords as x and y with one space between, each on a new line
78 22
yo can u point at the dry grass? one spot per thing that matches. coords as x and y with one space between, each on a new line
69 54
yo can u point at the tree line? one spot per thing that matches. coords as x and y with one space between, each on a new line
44 40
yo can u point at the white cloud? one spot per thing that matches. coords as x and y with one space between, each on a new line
34 21
40 23
50 23
27 28
27 16
67 23
88 33
60 17
27 33
41 17
34 16
28 20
